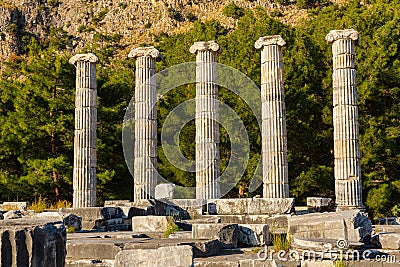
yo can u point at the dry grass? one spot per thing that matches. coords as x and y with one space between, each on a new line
41 204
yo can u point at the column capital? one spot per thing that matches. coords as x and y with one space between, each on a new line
204 46
269 40
90 57
149 51
348 34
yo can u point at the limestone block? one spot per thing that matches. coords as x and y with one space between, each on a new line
164 191
318 201
93 216
351 225
92 249
149 223
252 206
174 256
74 221
319 204
206 248
29 242
253 234
390 240
387 228
227 234
12 214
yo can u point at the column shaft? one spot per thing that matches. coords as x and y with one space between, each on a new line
273 132
84 173
145 152
345 120
206 120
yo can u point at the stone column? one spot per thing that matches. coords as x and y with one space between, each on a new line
84 175
345 120
273 132
145 152
207 126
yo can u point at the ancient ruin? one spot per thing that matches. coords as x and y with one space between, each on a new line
273 132
84 175
345 120
207 125
158 230
145 151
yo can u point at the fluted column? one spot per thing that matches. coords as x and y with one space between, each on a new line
84 174
207 126
273 132
145 152
345 120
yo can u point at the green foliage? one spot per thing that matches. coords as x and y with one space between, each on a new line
171 227
100 16
317 181
81 28
12 28
53 3
123 5
71 229
37 104
282 2
232 10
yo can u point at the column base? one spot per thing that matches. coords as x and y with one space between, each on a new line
343 208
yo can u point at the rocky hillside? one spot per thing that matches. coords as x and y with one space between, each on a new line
128 21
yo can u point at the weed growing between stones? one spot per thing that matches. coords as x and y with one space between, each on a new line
340 263
281 242
171 227
71 229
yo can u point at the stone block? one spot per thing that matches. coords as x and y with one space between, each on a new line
93 249
387 228
32 243
12 214
253 235
270 206
92 217
319 204
149 223
74 221
174 256
227 234
389 240
351 225
15 205
164 191
251 206
206 248
94 213
181 235
193 206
